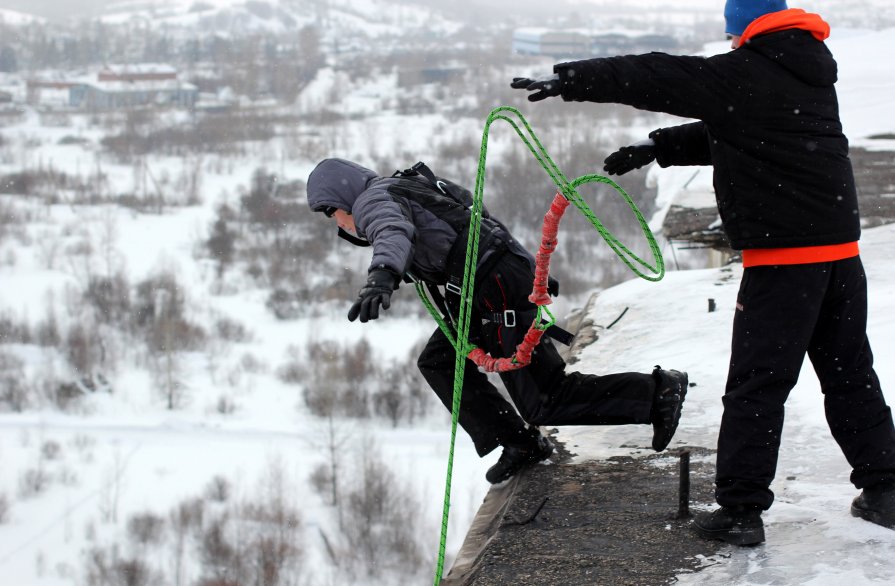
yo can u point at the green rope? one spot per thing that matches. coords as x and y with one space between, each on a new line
461 342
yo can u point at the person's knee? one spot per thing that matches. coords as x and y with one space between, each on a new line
422 362
429 360
535 413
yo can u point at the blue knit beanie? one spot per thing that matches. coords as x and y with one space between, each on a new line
740 13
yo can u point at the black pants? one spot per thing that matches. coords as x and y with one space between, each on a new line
543 393
784 312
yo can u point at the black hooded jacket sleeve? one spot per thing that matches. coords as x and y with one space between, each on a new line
691 87
687 144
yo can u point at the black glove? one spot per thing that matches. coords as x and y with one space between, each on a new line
629 158
543 88
552 286
375 292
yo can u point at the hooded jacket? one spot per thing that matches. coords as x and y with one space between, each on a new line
769 124
410 225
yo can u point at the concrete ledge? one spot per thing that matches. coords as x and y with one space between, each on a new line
607 522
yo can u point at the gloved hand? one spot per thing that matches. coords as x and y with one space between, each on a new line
552 286
630 157
375 292
546 87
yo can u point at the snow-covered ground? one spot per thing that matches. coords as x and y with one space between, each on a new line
125 453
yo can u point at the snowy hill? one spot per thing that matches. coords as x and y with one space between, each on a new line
14 18
367 18
110 479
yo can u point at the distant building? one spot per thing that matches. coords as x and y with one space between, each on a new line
137 72
112 95
421 75
581 44
115 87
48 91
530 41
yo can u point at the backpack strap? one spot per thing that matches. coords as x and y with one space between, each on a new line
355 240
423 170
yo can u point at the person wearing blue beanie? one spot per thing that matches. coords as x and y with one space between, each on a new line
767 119
738 14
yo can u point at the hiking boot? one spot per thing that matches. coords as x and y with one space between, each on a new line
513 459
671 388
740 525
876 504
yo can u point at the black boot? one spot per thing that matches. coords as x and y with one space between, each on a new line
671 388
740 525
514 458
876 504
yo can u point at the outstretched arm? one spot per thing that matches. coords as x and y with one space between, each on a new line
692 87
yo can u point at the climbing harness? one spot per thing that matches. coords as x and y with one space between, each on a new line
566 195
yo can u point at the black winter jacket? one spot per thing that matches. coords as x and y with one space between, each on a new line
769 124
410 226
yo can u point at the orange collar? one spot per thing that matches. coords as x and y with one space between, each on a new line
784 20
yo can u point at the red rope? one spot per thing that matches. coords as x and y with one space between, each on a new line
539 296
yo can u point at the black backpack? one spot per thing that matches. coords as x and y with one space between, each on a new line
444 198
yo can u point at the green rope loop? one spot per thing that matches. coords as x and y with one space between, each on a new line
568 190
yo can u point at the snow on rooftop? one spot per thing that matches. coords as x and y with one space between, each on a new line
138 68
15 18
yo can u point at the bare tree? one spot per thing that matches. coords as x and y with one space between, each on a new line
327 478
221 243
184 519
382 536
13 389
392 398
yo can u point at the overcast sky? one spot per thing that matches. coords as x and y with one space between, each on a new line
56 8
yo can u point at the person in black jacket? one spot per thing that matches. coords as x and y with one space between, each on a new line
768 122
418 229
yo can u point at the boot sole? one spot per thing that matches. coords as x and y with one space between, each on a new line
662 443
752 536
873 517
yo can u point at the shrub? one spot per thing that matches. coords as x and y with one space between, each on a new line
4 508
160 312
294 370
14 391
231 330
286 304
67 394
109 297
146 528
51 450
32 482
13 331
383 536
83 349
218 489
105 568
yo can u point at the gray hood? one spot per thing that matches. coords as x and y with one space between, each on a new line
337 183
